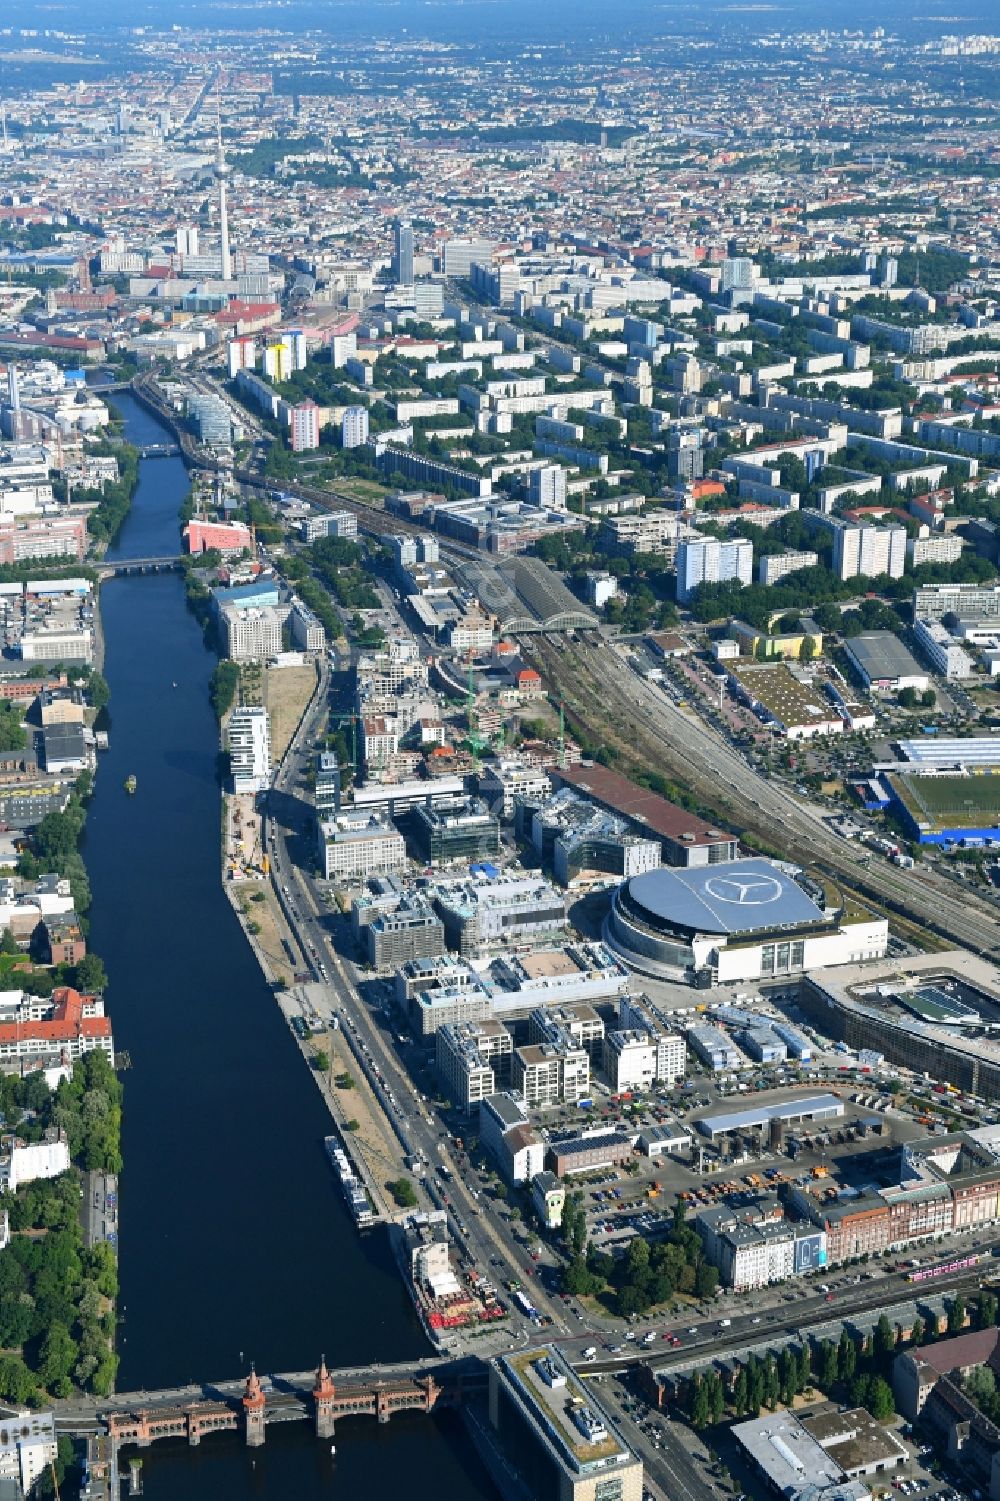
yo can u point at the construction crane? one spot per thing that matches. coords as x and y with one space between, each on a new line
473 739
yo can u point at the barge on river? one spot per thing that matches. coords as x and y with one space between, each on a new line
352 1188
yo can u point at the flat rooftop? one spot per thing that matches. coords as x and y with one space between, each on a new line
551 1408
880 654
547 963
806 1107
790 702
612 790
789 1456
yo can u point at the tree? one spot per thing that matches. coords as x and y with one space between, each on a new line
907 698
17 1383
928 698
880 1399
829 1369
57 1356
706 1280
8 943
847 1358
807 651
321 1061
91 974
699 1404
884 1343
917 1332
403 1192
956 1316
986 1309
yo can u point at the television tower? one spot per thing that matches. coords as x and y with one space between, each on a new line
222 172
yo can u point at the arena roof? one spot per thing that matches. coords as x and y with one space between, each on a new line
742 896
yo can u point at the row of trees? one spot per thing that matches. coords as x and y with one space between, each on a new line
851 1369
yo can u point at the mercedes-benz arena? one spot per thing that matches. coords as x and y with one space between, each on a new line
746 920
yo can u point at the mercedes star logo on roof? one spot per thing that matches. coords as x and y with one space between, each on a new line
745 888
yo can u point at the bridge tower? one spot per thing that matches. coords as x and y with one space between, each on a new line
254 1403
324 1394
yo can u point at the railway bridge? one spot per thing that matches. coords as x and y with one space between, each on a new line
121 566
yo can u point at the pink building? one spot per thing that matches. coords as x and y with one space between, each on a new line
304 423
222 536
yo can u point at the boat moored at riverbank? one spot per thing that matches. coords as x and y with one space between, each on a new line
353 1190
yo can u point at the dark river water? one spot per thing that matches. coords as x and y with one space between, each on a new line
235 1245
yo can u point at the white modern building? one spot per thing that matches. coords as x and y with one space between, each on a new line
945 654
249 737
353 846
354 427
868 550
504 1133
712 562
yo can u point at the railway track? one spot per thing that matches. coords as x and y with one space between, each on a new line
649 732
371 519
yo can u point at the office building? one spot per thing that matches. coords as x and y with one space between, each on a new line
506 1136
474 1060
946 655
967 601
28 1449
308 634
412 930
629 1061
552 1424
444 836
353 846
670 1061
572 1024
329 524
217 536
583 843
683 837
402 266
551 1073
304 426
249 743
328 785
252 635
354 427
752 1246
712 562
508 913
70 1025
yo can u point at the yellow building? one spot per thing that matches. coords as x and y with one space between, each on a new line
763 645
278 362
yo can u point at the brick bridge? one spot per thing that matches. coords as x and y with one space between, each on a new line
190 1413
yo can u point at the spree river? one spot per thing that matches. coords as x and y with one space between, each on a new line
235 1245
